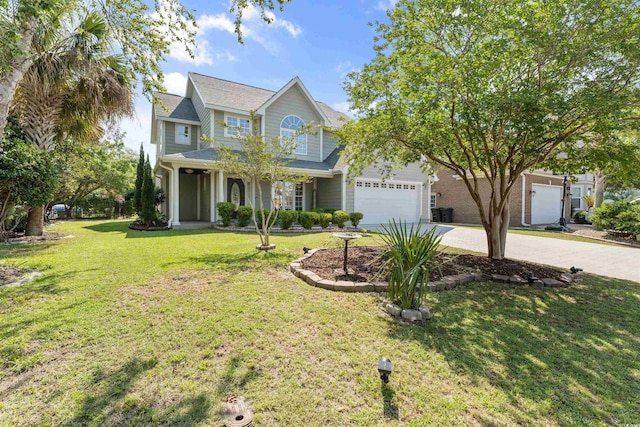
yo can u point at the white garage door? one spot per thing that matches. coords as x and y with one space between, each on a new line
381 201
546 204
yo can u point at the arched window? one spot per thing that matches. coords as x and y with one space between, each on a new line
288 127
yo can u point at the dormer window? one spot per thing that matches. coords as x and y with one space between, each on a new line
288 128
182 135
237 126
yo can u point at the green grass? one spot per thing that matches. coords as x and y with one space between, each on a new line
132 328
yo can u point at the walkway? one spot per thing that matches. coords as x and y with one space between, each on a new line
612 261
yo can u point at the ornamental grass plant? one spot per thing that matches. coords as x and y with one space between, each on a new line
411 255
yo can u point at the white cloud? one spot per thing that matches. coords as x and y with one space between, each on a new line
253 26
219 22
384 5
175 83
343 107
344 68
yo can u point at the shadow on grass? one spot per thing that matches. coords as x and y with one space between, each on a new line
235 263
23 250
390 409
569 348
109 402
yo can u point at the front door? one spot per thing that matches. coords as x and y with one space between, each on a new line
235 193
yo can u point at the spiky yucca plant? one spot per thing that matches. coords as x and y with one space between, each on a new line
411 253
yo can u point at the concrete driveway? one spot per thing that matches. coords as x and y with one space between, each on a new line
619 262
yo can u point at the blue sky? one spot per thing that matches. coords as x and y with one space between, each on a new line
318 41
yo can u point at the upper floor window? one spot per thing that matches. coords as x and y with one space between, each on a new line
237 126
288 128
182 134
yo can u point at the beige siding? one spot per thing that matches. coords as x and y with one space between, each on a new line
329 144
295 103
329 195
170 139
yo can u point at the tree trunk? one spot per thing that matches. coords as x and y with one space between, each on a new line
600 186
19 64
35 221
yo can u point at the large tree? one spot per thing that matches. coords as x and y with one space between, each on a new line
143 37
91 166
74 85
492 88
27 175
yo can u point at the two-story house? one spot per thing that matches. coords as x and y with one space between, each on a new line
187 168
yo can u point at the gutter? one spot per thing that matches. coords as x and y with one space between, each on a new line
524 224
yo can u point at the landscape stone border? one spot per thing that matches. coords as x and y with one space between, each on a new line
446 283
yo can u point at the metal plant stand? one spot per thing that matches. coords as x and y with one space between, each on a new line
346 237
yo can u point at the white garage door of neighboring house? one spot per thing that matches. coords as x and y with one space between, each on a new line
380 201
546 204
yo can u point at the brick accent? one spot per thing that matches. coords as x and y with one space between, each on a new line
454 194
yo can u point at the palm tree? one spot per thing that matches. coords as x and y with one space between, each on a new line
73 87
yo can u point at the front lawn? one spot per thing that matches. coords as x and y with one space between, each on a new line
134 328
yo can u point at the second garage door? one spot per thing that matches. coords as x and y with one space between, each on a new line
380 201
546 203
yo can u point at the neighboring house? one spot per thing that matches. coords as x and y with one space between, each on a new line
536 198
189 174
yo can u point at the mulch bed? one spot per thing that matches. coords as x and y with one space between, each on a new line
366 263
605 235
46 236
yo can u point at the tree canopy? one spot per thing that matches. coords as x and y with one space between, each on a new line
493 88
142 37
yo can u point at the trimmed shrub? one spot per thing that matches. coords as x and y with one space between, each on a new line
581 218
244 215
307 219
266 215
340 218
325 219
622 215
287 218
225 210
330 210
355 218
317 210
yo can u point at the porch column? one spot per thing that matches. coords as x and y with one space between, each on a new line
175 195
212 198
220 186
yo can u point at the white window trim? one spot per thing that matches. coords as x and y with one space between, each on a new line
306 137
178 142
228 133
293 195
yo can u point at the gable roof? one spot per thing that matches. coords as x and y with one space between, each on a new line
179 108
217 92
293 82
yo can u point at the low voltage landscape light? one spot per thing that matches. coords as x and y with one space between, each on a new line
384 368
531 278
574 270
305 249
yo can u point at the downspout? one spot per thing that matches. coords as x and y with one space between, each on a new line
524 224
170 181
